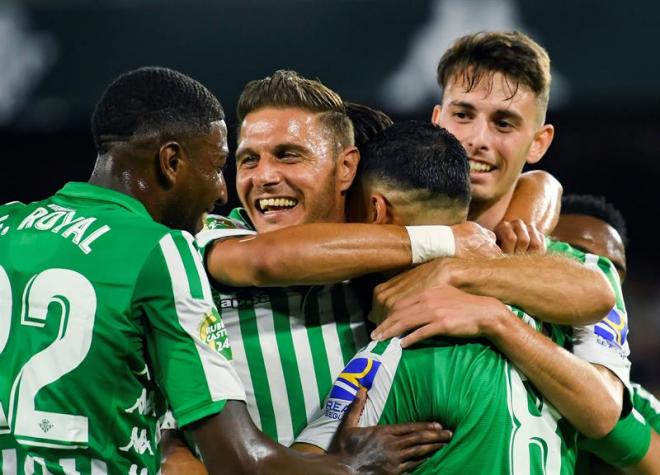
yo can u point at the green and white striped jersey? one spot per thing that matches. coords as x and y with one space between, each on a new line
105 315
606 342
288 343
500 423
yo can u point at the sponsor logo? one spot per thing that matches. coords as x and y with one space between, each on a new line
212 331
613 328
241 303
214 221
359 373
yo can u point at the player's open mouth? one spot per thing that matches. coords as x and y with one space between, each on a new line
479 167
269 205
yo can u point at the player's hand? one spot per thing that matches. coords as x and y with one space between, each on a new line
428 275
473 240
518 237
385 449
176 457
441 311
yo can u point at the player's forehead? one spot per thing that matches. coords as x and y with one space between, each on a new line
491 91
270 127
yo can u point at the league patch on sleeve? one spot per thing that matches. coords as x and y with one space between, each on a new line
359 373
613 328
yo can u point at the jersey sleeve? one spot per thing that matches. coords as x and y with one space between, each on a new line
218 227
371 369
625 445
647 405
605 342
186 339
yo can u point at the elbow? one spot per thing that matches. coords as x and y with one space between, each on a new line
601 427
602 422
600 302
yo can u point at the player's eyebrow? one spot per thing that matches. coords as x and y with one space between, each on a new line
508 114
463 105
290 146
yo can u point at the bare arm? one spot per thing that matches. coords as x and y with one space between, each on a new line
326 252
650 464
553 288
573 386
536 201
231 444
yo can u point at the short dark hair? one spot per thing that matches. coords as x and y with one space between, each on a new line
421 158
288 89
514 54
596 207
367 122
153 100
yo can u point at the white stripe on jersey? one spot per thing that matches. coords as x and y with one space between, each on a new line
221 378
357 317
8 460
330 334
275 373
231 320
305 362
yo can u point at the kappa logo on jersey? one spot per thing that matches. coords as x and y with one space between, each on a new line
359 373
613 328
212 331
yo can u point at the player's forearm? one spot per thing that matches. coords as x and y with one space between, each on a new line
551 288
231 444
650 464
309 254
536 200
574 387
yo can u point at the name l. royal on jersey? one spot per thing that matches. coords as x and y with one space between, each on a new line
65 222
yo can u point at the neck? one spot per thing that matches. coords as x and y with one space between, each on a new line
489 213
115 173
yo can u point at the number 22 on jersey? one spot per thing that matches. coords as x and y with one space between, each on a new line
75 299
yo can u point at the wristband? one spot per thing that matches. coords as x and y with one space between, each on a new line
429 242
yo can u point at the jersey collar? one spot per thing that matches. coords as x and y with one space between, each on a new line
87 191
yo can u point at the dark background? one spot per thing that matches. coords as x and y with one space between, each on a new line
57 56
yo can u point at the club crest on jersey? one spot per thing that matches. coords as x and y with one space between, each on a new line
215 221
359 373
212 332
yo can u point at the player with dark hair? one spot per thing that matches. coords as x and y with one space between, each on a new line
592 224
494 98
417 173
367 122
107 314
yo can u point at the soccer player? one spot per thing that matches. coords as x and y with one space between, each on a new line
593 225
417 173
106 314
495 93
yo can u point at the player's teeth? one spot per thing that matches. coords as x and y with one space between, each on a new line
276 202
479 167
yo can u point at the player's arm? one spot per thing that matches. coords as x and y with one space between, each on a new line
632 445
536 200
230 443
532 213
576 388
553 288
331 252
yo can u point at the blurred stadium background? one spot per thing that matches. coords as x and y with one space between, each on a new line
57 55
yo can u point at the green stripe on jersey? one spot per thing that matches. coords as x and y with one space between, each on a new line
185 252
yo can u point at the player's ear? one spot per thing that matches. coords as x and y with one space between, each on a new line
170 161
381 210
540 144
347 163
435 115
